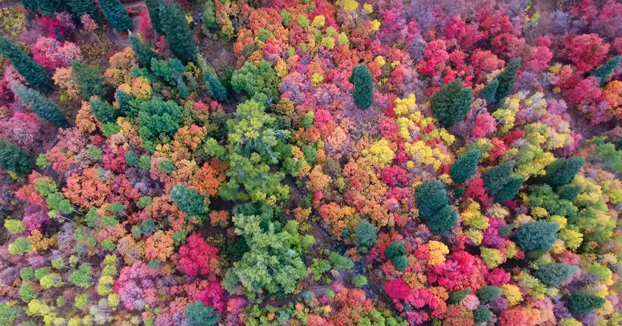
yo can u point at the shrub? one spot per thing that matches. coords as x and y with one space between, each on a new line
451 103
366 234
464 166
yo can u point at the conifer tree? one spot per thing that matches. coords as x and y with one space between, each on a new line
50 7
178 33
81 7
198 313
507 79
41 106
89 79
604 71
102 111
143 52
562 171
116 14
215 88
451 103
34 74
363 82
501 183
489 92
430 197
538 235
30 5
554 274
153 6
366 234
189 201
124 103
442 221
13 158
464 166
583 303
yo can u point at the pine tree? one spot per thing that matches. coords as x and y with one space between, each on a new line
507 79
481 315
501 183
215 88
489 92
124 99
363 86
41 106
583 303
451 103
569 192
554 274
395 248
102 111
457 296
603 72
538 235
154 13
143 52
30 5
50 7
199 314
89 79
82 7
366 234
189 201
442 221
464 166
430 197
562 171
116 14
13 158
178 33
488 293
34 74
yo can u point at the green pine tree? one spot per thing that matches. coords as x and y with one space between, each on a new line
102 111
82 7
538 235
50 7
501 183
442 221
13 158
554 274
116 14
507 79
583 303
464 166
366 234
215 88
144 53
189 201
562 171
451 103
30 5
154 13
89 79
489 92
199 314
430 197
41 106
603 72
178 33
363 86
488 293
457 296
125 108
34 74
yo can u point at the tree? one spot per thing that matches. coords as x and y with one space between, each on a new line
457 296
260 82
562 171
89 79
501 183
143 52
539 235
154 13
340 262
507 79
489 92
430 197
34 74
554 274
42 107
366 234
603 72
359 281
488 293
451 103
215 88
199 314
189 201
178 33
13 158
116 14
197 257
481 315
83 7
8 314
464 166
102 111
50 7
579 302
363 82
442 221
395 248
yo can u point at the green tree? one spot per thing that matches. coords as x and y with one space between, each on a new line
488 293
41 106
188 200
457 296
144 53
178 33
13 158
8 315
131 158
167 167
30 5
27 293
82 276
259 82
489 92
366 234
569 192
442 221
340 262
451 103
481 315
50 7
104 112
209 14
215 88
154 13
464 166
400 262
116 14
34 74
539 235
554 274
14 226
562 171
125 104
603 72
159 120
82 7
430 197
359 281
199 314
395 248
507 79
89 79
20 246
579 302
363 82
501 183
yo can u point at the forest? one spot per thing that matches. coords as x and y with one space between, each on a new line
310 162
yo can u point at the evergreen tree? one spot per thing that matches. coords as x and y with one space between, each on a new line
189 201
464 166
554 274
488 293
489 92
442 221
538 235
366 234
34 74
89 79
562 171
50 7
144 53
603 72
41 106
569 192
430 197
199 314
481 315
501 183
124 100
451 103
457 296
363 86
30 5
154 13
583 303
102 111
81 7
510 189
215 88
395 248
507 79
116 14
178 33
13 158
400 262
